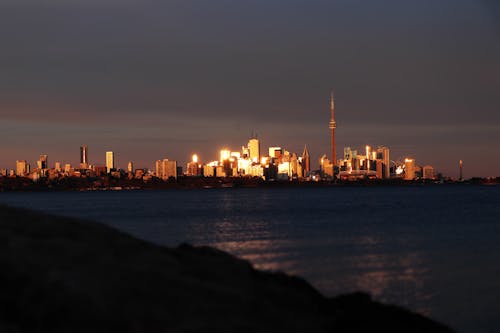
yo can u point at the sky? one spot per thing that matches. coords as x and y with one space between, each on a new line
154 79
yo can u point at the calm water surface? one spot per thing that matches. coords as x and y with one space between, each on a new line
435 250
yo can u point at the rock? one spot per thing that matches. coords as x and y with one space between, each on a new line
64 275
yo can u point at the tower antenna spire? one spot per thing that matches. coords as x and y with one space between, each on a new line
332 105
332 126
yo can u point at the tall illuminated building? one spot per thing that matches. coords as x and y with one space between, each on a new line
332 127
22 168
84 162
42 163
254 148
461 164
193 168
130 167
225 154
383 155
275 152
409 169
110 161
306 161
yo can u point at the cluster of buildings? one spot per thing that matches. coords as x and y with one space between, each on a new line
42 169
278 164
249 161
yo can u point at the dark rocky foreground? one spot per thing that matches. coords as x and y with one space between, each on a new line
64 275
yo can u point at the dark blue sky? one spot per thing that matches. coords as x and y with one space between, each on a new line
155 79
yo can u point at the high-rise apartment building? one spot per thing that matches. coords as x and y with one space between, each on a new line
166 169
130 167
110 161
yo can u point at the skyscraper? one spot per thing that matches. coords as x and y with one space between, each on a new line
254 148
409 169
306 161
383 154
42 163
84 157
110 161
22 168
332 126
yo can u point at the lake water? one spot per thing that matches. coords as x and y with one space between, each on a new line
432 249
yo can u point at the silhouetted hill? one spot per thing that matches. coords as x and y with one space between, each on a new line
64 275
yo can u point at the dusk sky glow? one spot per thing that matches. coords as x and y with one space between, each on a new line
165 79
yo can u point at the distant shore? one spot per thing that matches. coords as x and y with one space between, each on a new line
112 183
65 275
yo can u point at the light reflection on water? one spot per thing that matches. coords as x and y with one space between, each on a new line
416 247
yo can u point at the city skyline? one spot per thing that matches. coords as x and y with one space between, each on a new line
347 169
421 77
254 146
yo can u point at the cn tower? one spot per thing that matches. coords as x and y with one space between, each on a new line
332 126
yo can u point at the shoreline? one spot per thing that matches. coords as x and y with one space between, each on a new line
184 183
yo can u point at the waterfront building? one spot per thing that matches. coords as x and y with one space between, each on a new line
57 166
130 167
110 161
67 168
